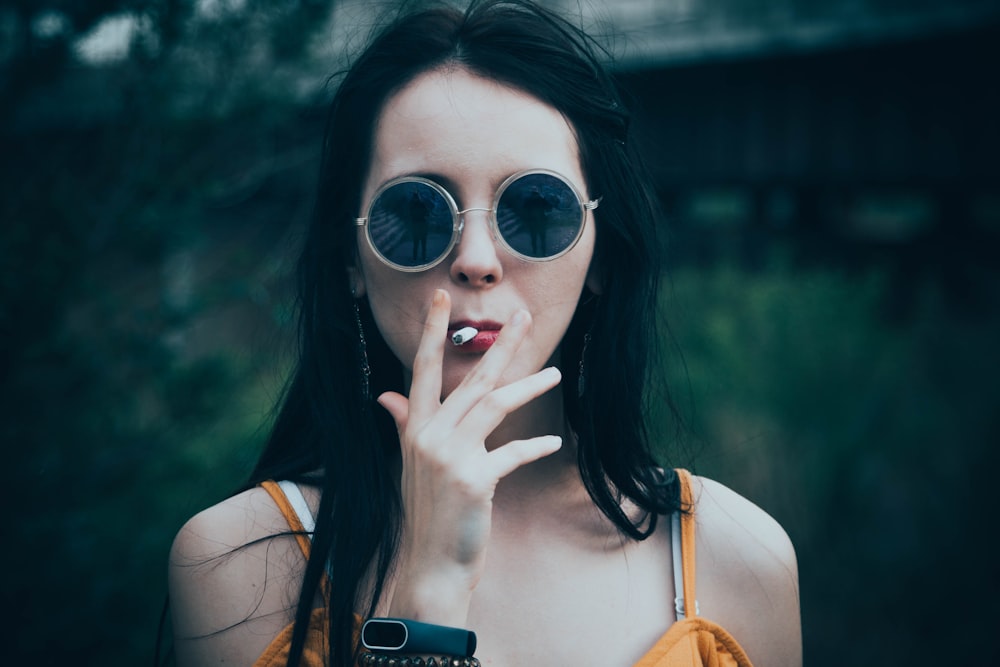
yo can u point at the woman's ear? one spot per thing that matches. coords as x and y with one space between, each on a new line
356 279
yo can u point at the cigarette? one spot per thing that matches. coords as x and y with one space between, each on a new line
464 335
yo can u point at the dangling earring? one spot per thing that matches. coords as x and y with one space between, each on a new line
366 370
580 381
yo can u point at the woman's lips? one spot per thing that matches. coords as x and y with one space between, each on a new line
482 341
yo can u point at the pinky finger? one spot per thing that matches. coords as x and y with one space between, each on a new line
514 454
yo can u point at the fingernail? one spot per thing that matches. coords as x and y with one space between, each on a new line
438 297
520 317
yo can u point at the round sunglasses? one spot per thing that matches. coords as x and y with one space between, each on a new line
413 223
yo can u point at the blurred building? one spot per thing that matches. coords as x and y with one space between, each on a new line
856 129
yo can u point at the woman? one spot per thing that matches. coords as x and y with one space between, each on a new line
479 184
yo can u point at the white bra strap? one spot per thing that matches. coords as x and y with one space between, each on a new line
299 504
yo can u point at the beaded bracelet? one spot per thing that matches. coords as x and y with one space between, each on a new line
384 660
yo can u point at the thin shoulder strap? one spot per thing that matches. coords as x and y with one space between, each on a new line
294 508
682 547
299 504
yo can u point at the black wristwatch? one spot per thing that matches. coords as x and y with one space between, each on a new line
401 635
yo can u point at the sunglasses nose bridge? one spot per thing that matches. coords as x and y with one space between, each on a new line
475 208
461 216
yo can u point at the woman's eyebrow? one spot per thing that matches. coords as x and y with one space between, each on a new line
449 184
442 180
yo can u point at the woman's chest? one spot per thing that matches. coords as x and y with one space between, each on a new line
554 604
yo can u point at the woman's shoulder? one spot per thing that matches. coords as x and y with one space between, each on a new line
233 579
726 518
747 574
235 521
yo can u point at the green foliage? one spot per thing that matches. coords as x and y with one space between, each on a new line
145 318
871 440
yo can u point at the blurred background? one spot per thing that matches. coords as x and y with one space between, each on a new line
829 173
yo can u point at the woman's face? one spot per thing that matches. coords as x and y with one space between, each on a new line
469 134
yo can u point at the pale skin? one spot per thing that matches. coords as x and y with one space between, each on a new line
500 535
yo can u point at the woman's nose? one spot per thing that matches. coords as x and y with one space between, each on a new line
476 262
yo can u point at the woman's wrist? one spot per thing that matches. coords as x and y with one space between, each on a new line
438 598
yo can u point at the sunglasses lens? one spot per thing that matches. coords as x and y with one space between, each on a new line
410 224
539 216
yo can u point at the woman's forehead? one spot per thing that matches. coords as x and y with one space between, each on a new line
453 122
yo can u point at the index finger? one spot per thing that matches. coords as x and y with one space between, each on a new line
425 385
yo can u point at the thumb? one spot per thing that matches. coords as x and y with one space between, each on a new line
398 407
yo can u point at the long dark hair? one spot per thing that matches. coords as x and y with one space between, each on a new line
329 433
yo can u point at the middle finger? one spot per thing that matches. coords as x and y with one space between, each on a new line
483 378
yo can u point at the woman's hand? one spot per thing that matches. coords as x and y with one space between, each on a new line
448 476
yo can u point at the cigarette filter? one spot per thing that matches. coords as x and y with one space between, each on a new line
464 335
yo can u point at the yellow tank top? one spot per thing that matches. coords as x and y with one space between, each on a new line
692 641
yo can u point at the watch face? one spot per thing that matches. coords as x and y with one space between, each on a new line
383 634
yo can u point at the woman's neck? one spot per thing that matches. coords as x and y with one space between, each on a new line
554 479
542 416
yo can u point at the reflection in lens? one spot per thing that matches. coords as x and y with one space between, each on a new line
539 215
410 224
